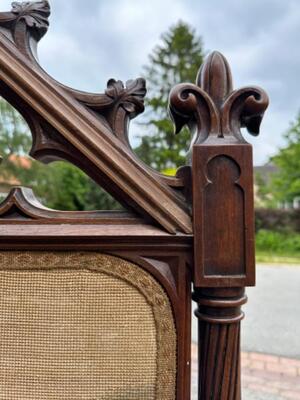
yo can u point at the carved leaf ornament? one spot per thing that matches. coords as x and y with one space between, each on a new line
130 96
34 14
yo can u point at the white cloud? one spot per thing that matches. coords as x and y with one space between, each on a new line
92 41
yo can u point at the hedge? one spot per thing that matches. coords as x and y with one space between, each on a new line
277 220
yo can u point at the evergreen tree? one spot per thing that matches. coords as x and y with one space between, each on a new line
175 60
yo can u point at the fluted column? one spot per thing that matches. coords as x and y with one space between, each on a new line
219 313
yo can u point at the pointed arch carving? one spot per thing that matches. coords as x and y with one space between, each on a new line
22 205
27 23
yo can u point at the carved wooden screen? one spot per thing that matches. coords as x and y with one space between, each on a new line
96 305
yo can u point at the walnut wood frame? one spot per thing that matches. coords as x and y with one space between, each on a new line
211 247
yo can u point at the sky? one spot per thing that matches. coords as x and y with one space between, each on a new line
91 41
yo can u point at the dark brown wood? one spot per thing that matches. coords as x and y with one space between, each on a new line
223 215
219 314
196 227
22 205
223 210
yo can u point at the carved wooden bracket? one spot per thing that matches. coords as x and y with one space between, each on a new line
90 130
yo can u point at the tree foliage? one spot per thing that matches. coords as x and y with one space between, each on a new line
286 183
264 197
14 139
63 186
175 60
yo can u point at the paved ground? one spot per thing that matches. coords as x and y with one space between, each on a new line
270 336
272 323
264 377
270 375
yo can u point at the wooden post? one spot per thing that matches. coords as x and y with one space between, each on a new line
223 215
219 313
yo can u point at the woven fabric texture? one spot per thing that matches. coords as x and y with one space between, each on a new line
83 326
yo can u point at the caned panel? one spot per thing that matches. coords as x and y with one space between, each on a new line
83 326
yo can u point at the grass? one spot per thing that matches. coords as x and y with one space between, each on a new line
271 258
277 247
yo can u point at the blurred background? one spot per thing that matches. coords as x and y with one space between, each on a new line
165 41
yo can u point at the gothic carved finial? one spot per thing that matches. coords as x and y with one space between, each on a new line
34 14
212 108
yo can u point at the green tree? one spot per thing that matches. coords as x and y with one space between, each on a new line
63 186
286 183
263 193
14 140
175 60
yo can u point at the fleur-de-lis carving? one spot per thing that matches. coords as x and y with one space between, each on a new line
213 108
34 14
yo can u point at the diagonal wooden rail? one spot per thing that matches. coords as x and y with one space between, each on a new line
92 138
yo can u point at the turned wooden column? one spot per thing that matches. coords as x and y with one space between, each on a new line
223 215
219 313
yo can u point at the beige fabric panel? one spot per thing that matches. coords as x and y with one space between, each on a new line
83 326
